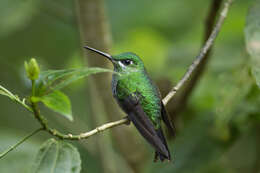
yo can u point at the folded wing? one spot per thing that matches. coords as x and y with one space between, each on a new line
144 125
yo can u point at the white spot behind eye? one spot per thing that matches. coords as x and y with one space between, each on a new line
121 64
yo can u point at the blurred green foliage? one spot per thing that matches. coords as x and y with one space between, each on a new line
217 133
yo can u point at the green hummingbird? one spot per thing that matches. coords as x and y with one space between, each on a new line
140 99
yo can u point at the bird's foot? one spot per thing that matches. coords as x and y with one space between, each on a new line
128 122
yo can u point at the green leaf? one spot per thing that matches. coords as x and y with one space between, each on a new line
52 80
58 102
252 35
15 98
57 157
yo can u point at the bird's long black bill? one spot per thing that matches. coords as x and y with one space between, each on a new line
99 52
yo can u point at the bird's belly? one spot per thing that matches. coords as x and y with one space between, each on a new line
150 104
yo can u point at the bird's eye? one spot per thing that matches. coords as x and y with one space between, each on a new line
127 62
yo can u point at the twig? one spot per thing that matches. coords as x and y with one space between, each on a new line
179 102
97 130
60 135
20 142
170 95
14 98
202 53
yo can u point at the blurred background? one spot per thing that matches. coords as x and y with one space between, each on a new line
217 117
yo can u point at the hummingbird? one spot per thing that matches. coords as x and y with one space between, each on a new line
140 99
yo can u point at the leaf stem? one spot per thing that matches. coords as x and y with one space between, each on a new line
20 142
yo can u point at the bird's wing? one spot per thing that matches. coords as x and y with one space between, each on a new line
166 119
142 122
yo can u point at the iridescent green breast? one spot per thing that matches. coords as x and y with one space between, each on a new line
139 83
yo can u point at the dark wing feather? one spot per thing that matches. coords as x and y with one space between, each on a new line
161 136
166 120
143 124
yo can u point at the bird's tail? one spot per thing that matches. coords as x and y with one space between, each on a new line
161 156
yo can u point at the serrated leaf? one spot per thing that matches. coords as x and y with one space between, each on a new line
52 80
57 157
58 102
252 35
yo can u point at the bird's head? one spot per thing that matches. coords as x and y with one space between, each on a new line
124 62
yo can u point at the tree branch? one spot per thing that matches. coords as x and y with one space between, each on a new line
169 96
85 135
202 53
179 102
